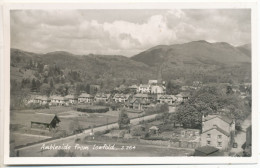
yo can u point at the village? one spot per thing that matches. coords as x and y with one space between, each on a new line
133 115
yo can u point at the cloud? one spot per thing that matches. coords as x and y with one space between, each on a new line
85 31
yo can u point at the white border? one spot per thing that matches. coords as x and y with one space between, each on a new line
129 160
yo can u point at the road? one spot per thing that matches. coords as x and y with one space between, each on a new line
240 138
34 150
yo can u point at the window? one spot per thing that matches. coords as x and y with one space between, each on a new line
219 144
219 136
208 135
208 142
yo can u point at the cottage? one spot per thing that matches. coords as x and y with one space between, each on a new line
72 99
42 100
139 104
121 98
144 88
59 100
170 99
142 96
85 98
101 97
217 131
182 97
45 121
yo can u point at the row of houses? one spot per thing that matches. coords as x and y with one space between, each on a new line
140 100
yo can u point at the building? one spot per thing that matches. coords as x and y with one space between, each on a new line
156 89
72 99
183 96
154 130
152 82
138 104
142 96
144 88
101 97
133 88
41 100
44 121
58 100
170 99
121 98
217 131
85 98
207 151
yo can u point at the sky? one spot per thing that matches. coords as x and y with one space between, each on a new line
125 32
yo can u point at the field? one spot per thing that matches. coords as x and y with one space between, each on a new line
68 116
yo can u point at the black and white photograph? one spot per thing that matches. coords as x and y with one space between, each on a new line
171 82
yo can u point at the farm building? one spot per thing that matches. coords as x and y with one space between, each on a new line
45 121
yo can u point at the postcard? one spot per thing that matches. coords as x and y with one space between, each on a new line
130 83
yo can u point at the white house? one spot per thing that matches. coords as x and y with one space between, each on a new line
72 99
59 100
144 88
155 89
85 98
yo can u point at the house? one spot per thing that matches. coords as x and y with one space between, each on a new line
183 96
59 100
45 121
121 98
217 131
142 96
72 99
154 130
39 99
101 97
144 88
170 99
152 82
138 104
133 88
156 89
85 98
207 151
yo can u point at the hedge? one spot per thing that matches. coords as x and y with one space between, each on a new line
93 109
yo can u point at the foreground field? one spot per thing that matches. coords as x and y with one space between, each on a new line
21 119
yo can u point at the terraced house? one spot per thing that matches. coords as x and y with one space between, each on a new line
121 98
169 99
101 97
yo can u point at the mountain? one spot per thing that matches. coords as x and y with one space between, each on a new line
196 52
246 49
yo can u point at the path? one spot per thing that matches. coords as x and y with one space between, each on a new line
240 138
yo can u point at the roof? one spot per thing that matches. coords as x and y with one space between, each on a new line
141 95
56 97
207 149
70 97
44 118
144 85
83 95
139 101
102 95
41 98
154 128
124 96
218 129
133 87
222 117
166 97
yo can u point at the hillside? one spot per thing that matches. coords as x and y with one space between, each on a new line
196 52
246 49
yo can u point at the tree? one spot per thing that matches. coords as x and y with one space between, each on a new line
45 89
33 85
123 120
